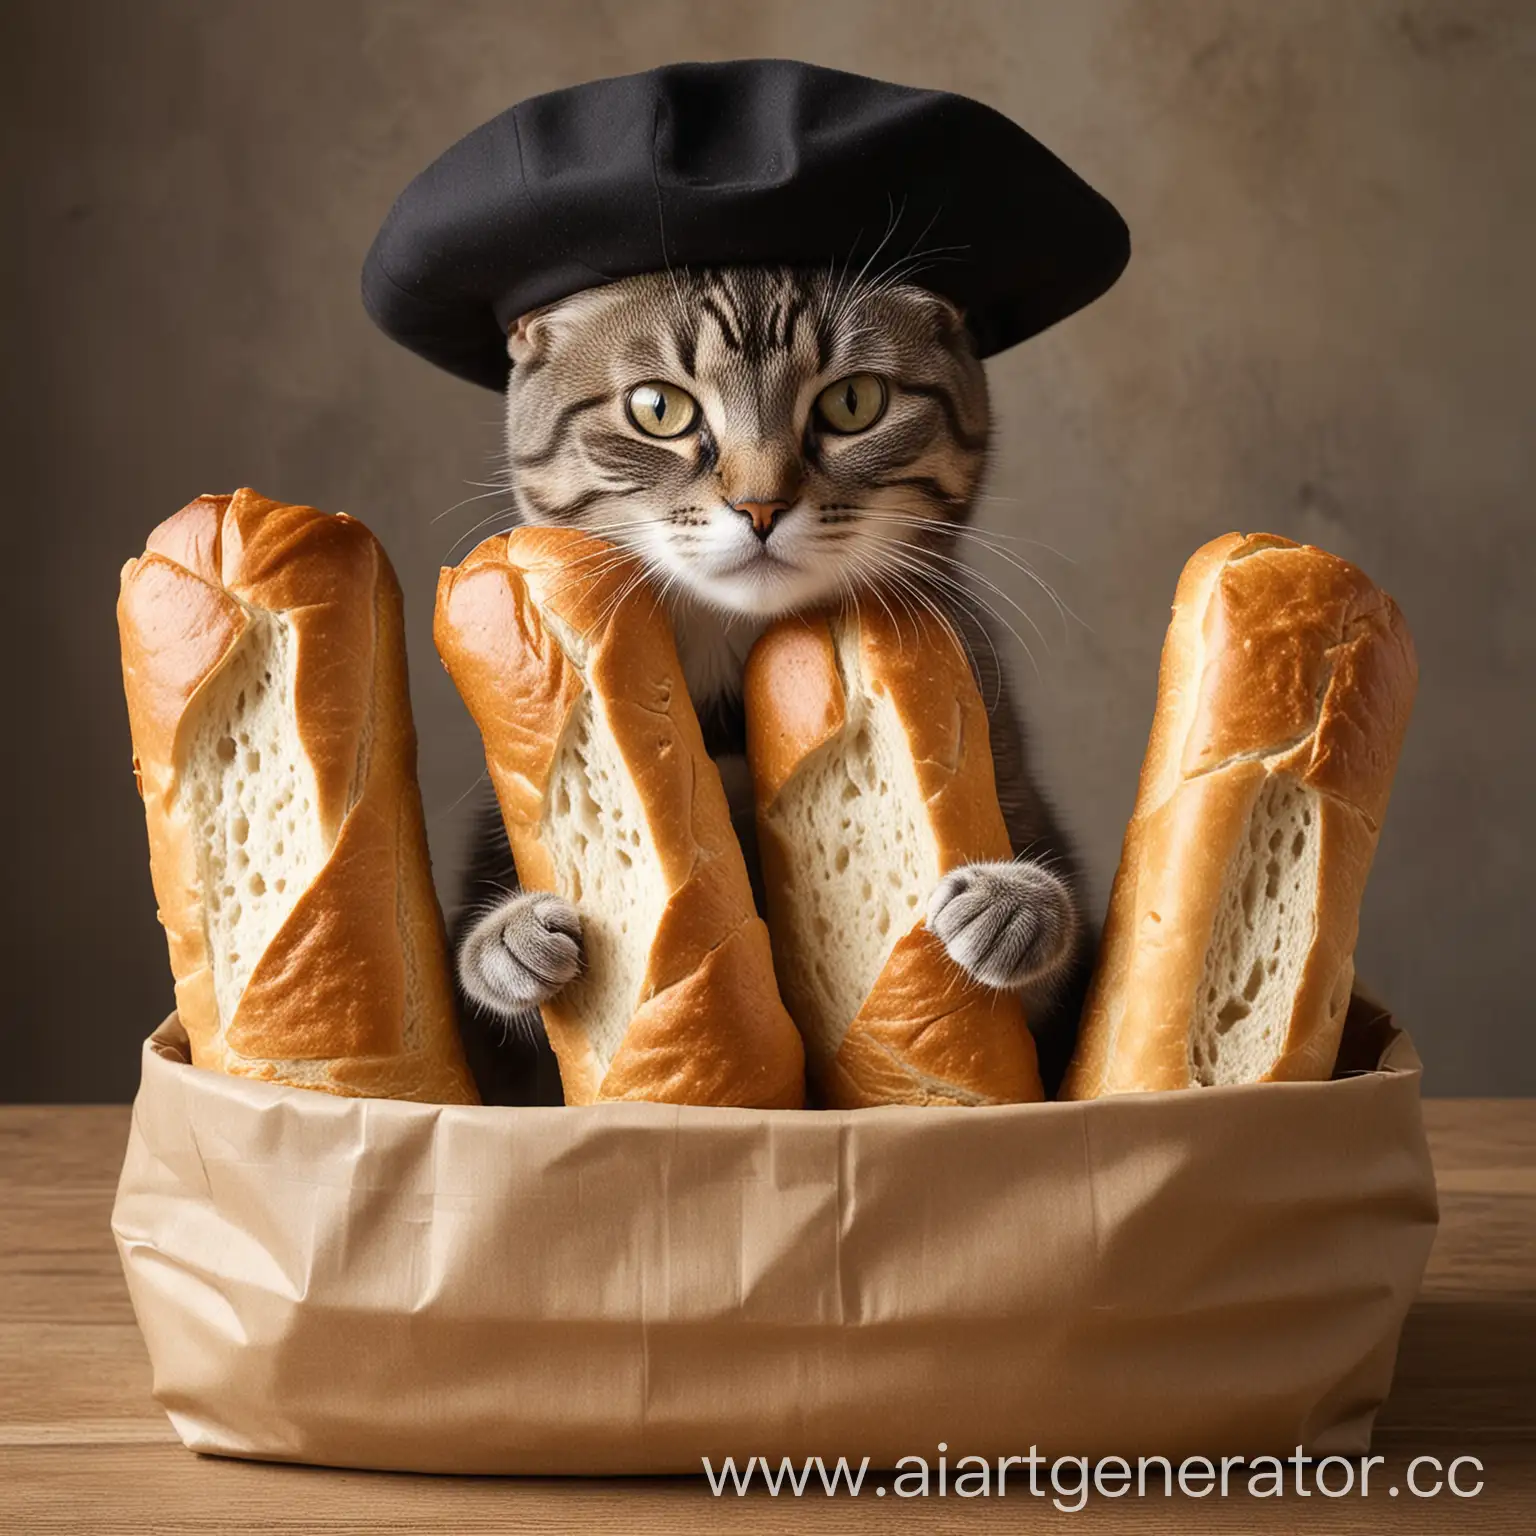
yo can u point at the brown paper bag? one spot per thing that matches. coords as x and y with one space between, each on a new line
630 1287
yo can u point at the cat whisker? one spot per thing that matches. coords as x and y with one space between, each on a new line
922 552
963 596
866 287
948 623
970 529
905 268
485 522
971 571
880 514
958 524
949 527
518 519
890 229
637 578
607 559
434 817
1021 501
960 636
490 490
596 563
907 591
895 622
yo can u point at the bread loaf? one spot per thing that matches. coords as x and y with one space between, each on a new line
566 661
873 777
1228 953
264 665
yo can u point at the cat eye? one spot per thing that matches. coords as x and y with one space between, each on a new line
852 404
661 410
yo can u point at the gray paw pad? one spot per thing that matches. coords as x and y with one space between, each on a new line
521 952
1006 924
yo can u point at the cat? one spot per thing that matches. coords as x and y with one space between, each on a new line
765 440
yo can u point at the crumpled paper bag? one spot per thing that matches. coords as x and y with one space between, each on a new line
629 1287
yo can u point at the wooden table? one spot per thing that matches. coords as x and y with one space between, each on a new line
84 1448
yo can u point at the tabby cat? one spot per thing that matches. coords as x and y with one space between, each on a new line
765 440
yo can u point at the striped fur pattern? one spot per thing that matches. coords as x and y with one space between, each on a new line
758 501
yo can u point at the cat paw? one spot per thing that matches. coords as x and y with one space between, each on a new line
1007 925
520 953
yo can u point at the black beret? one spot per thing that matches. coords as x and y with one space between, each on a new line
757 161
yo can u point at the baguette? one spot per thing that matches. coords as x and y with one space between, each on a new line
264 667
872 772
566 661
1228 954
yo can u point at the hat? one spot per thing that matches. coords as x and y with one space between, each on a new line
760 161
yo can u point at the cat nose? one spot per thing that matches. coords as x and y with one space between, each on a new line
762 514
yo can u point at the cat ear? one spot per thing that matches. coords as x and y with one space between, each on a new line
949 317
528 336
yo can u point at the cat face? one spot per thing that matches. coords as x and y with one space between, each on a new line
764 439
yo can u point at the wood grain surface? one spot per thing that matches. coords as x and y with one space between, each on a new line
83 1447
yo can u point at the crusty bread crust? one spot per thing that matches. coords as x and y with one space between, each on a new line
708 1026
925 1033
1280 659
352 994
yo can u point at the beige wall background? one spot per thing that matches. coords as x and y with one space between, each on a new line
1326 331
